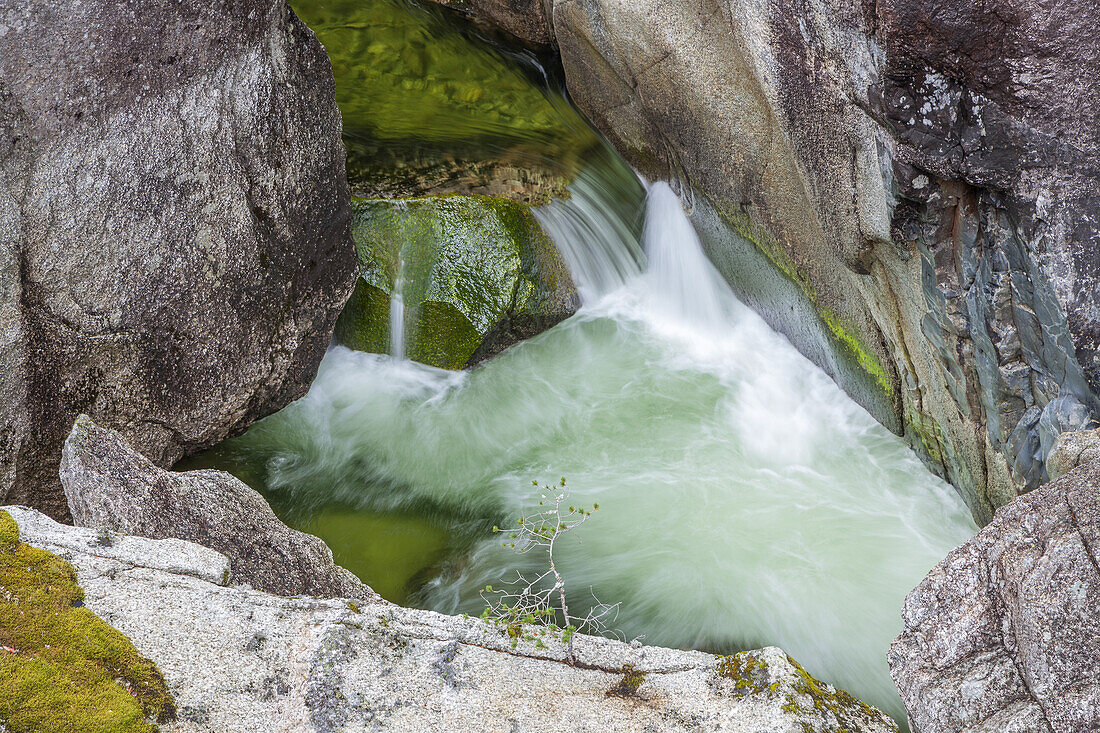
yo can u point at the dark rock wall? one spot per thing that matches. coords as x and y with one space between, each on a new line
175 222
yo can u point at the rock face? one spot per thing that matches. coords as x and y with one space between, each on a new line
1004 634
238 659
111 487
1071 450
174 224
924 174
524 19
473 275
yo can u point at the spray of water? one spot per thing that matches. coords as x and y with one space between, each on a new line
745 500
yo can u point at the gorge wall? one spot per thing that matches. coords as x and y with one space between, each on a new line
923 173
174 225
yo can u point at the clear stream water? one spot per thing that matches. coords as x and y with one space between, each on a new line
745 500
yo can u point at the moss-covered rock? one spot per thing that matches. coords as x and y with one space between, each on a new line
62 668
475 274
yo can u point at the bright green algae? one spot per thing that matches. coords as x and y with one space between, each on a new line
468 266
62 668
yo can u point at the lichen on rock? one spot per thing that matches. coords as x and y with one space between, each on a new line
814 705
475 274
62 668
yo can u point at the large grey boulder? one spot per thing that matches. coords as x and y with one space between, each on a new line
174 224
920 174
1004 634
237 659
111 487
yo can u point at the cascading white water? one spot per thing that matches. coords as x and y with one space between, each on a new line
596 239
397 314
745 500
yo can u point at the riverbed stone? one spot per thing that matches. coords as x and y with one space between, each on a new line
113 489
475 274
1004 634
174 224
239 659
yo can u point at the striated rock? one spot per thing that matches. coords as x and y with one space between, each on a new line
239 659
174 224
1004 634
111 487
917 177
1073 449
474 275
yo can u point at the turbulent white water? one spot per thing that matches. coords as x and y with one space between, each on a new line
745 500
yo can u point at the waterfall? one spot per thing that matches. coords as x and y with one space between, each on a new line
594 229
397 313
678 271
745 499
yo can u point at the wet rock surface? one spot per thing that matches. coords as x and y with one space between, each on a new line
1003 635
523 19
113 489
474 274
239 659
174 219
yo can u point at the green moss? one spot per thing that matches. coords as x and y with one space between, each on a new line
628 685
746 671
466 266
62 668
9 531
843 336
364 322
930 435
852 715
855 347
442 336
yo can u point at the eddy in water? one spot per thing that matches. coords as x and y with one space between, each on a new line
745 499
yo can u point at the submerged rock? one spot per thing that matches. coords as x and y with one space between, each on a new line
523 19
174 224
114 489
239 659
474 275
1004 634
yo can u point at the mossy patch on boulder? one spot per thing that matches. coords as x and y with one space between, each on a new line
475 274
62 668
807 700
